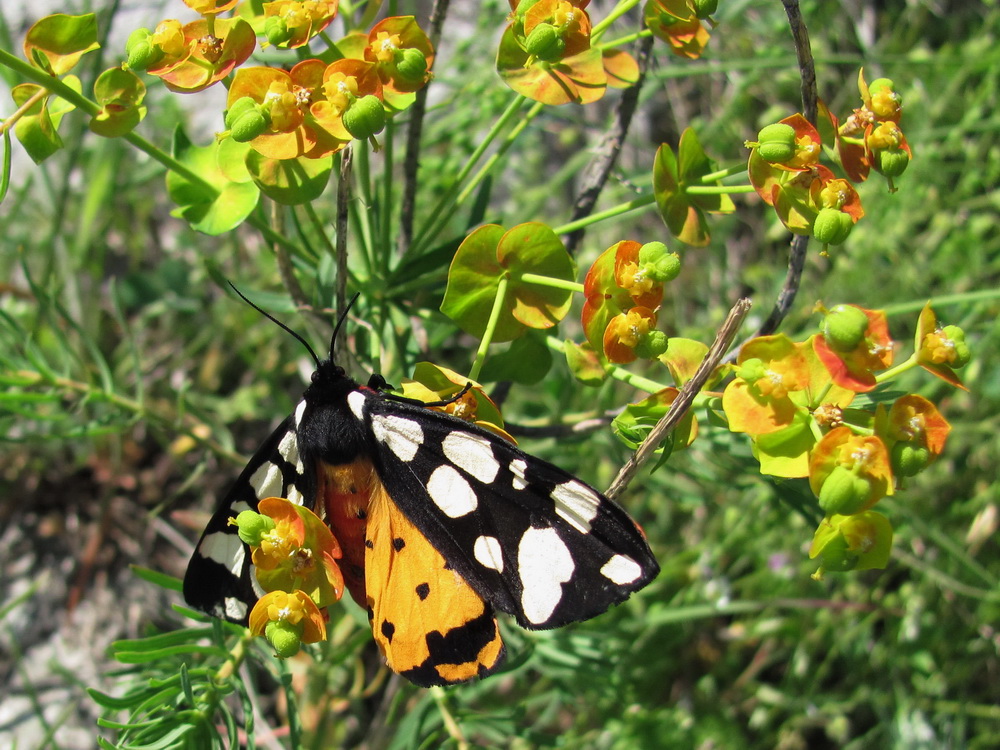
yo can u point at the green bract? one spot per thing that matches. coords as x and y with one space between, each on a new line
490 255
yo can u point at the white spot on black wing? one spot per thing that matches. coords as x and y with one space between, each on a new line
472 453
225 548
289 450
451 492
235 609
621 570
488 553
356 403
544 563
576 504
402 436
293 495
517 467
266 481
300 410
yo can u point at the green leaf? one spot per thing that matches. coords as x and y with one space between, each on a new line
526 361
489 254
57 42
290 182
585 363
120 94
210 211
684 214
37 127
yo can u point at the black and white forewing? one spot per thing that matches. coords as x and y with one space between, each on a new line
530 538
219 578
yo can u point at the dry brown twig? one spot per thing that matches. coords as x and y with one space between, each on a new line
716 352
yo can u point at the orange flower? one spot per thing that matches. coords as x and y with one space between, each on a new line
939 349
287 619
196 58
769 370
849 472
298 553
855 368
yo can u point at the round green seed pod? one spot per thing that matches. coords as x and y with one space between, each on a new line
284 637
545 42
776 143
891 162
909 459
844 327
411 64
365 118
844 493
832 227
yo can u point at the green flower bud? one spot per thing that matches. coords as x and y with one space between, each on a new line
658 264
284 637
776 143
844 492
411 64
908 458
142 53
891 162
961 350
752 370
652 345
252 526
276 30
365 118
832 227
545 42
704 8
844 327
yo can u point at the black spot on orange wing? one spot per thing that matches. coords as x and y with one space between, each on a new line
443 632
387 630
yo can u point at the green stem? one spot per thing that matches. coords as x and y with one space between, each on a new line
569 286
623 7
491 326
622 208
718 189
899 369
946 299
23 109
723 173
496 157
623 40
434 221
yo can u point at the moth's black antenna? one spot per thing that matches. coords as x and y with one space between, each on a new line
280 325
340 322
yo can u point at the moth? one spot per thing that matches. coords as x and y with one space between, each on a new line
441 524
